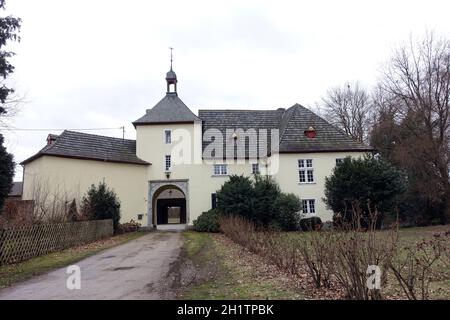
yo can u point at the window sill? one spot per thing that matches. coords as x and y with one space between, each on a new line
307 183
309 215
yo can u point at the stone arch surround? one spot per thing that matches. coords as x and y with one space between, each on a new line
155 185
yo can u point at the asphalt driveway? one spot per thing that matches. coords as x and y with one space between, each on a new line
135 270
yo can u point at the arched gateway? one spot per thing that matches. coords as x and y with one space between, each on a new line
168 204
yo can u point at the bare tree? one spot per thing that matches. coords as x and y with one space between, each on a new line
12 106
416 89
349 108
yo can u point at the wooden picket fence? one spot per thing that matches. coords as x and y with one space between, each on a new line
23 243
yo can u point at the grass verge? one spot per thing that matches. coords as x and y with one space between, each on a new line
227 272
10 274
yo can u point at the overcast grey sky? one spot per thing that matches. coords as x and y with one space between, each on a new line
89 64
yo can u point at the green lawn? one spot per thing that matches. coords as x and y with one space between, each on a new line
230 276
13 273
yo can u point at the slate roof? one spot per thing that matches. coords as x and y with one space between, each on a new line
16 190
291 124
71 144
169 110
231 120
297 119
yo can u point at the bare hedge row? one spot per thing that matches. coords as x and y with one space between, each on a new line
341 259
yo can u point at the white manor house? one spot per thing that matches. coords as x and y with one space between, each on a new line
169 175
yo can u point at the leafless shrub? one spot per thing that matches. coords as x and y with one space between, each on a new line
17 213
359 245
340 258
50 204
240 231
413 265
355 251
276 247
318 257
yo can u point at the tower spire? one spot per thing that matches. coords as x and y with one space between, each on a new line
171 77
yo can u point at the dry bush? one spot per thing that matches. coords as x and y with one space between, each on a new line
239 230
340 259
51 205
276 247
318 257
356 248
355 251
131 226
17 213
413 267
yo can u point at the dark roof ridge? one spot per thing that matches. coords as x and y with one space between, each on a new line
246 110
94 134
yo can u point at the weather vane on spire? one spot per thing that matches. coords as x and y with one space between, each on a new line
171 57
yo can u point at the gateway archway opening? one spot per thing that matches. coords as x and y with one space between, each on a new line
169 203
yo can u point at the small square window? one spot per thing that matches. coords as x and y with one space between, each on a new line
220 170
255 168
339 161
309 163
301 163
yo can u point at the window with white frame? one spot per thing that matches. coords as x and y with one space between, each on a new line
168 136
255 168
168 163
309 206
220 169
305 171
339 160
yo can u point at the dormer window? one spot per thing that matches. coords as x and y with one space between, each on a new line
310 132
168 136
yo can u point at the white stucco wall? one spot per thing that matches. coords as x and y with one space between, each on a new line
323 164
71 178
